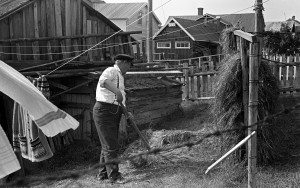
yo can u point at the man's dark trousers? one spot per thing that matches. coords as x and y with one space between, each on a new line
107 118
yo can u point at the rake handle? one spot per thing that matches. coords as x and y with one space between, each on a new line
133 124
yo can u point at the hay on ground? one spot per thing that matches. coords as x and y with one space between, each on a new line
158 139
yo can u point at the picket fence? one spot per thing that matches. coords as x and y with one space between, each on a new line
287 70
199 74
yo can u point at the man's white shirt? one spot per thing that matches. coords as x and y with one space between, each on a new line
115 76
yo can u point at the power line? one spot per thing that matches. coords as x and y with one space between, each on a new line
97 44
117 44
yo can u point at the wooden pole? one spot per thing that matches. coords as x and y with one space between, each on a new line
255 53
245 77
230 151
252 116
150 32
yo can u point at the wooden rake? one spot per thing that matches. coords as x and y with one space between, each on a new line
131 121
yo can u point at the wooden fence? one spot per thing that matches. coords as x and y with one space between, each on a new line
198 75
287 70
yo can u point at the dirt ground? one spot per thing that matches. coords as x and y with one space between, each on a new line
173 170
180 168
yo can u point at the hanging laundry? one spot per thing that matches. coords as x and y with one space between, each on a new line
27 138
43 85
8 160
50 119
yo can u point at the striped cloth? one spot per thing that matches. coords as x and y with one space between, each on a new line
8 160
50 119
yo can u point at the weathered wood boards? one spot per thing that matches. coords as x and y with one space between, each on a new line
58 29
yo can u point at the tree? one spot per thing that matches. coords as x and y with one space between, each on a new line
282 42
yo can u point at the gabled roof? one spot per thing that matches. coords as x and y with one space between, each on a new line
245 21
115 11
7 6
188 17
197 31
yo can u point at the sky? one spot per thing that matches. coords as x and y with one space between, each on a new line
275 10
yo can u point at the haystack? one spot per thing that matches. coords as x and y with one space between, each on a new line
229 111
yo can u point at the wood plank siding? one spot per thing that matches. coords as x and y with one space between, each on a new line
174 35
50 21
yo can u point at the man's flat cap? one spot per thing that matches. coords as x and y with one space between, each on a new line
124 57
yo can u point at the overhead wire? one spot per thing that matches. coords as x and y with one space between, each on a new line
98 43
113 44
109 45
118 44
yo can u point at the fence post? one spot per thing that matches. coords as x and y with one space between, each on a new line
297 76
283 72
211 77
290 72
204 80
198 79
192 79
186 79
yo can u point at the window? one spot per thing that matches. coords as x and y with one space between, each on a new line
172 24
182 44
140 15
163 44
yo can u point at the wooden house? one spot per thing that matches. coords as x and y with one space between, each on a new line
129 17
182 39
196 35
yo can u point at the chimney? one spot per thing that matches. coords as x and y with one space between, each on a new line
200 11
293 17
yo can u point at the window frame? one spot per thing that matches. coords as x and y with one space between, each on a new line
140 19
179 47
169 42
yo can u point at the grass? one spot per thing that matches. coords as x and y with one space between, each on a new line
187 172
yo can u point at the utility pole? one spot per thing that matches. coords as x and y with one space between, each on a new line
150 33
255 58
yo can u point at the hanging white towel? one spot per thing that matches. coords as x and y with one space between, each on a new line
50 119
8 160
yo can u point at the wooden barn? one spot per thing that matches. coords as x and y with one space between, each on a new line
34 32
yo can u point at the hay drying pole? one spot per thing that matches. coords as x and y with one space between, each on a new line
253 94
